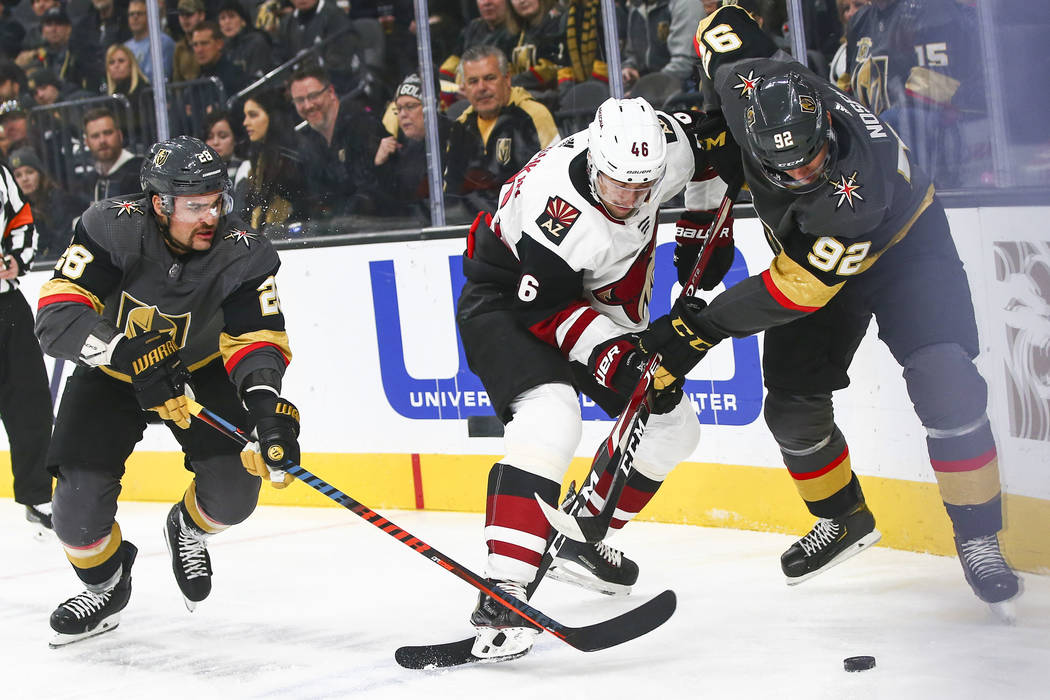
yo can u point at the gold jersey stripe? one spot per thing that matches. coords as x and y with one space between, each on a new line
95 554
970 488
825 485
61 287
230 345
798 284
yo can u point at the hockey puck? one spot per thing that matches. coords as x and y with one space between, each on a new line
859 663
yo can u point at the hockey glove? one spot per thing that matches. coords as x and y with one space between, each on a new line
158 375
618 364
675 337
690 232
723 153
276 432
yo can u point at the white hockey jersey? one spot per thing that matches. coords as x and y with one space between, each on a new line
585 276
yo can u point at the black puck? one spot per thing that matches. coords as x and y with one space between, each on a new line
859 663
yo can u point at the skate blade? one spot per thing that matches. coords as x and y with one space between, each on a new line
566 574
856 548
107 625
503 644
190 605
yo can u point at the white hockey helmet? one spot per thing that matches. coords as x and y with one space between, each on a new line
626 155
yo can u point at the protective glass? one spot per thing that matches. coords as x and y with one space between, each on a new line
624 195
193 208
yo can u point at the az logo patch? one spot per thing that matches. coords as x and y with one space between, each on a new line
557 219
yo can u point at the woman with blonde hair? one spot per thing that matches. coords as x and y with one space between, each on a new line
123 74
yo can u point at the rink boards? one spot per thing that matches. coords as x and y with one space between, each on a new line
384 391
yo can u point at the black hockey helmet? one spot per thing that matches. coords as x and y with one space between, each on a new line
787 125
185 165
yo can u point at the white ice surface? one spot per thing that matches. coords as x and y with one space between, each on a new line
312 602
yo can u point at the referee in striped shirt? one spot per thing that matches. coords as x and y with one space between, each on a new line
25 399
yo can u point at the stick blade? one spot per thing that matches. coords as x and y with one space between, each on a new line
630 625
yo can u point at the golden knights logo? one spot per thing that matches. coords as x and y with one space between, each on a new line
136 317
846 190
241 236
557 219
806 103
161 156
125 207
747 83
503 150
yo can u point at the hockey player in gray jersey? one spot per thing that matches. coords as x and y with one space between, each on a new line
856 231
156 294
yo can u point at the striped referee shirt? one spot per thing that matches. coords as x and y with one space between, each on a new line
16 222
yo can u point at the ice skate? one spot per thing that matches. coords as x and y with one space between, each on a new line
830 542
92 613
39 516
597 567
988 574
190 562
502 634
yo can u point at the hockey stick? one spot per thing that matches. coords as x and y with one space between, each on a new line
619 448
602 635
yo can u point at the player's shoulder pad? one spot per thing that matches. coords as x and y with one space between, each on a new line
729 34
241 246
117 224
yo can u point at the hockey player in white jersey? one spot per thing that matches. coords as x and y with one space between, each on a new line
557 303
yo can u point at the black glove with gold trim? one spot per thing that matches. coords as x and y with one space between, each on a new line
158 375
677 338
276 431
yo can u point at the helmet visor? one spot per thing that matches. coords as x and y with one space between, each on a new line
807 175
626 196
191 209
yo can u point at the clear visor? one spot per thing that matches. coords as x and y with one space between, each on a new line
623 195
807 176
193 208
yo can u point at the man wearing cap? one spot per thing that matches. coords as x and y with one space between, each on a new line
339 146
401 159
76 62
191 13
246 47
14 126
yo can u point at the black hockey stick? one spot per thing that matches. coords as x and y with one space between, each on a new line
602 635
619 448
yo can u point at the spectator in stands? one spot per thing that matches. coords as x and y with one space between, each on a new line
497 135
490 29
54 209
191 13
139 41
12 82
401 159
221 133
116 168
105 22
207 43
340 143
660 38
837 71
248 48
270 184
14 123
75 59
584 43
123 74
12 33
34 38
316 21
48 88
539 43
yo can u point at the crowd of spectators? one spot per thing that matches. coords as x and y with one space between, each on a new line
317 105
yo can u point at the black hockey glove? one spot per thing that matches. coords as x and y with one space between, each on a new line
723 153
618 364
276 430
690 232
158 375
675 337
